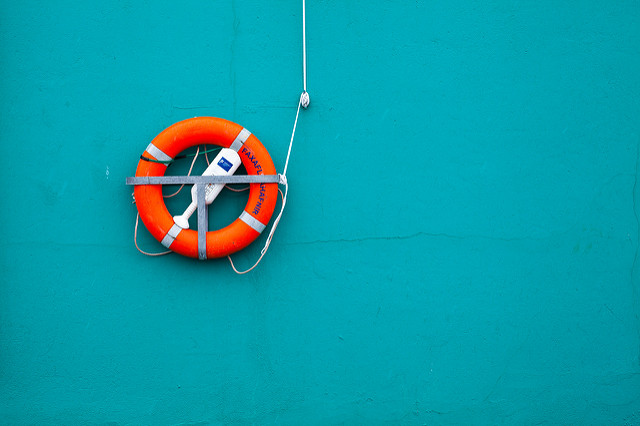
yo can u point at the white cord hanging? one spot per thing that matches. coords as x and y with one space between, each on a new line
304 103
304 100
283 181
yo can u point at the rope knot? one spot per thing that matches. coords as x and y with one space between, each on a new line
304 99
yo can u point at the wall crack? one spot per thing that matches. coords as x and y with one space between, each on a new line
635 291
420 234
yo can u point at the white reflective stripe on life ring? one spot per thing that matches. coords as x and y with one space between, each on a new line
157 153
252 221
240 139
171 235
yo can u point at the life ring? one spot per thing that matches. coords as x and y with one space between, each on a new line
206 130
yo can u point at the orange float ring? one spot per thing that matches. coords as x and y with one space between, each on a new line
185 134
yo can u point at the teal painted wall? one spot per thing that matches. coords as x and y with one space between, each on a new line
460 244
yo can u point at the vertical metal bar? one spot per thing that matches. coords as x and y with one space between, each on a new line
203 221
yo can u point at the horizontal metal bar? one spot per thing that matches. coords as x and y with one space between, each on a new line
179 180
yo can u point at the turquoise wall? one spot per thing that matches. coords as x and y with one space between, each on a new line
460 244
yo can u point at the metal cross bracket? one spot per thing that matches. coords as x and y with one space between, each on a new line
201 183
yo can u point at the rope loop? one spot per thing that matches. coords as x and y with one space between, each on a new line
304 99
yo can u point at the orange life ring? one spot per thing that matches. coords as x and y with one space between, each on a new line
206 130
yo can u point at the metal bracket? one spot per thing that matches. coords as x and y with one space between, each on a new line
194 180
201 183
203 221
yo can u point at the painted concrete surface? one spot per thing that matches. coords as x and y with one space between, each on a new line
460 244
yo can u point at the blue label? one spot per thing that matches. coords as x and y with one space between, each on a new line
225 164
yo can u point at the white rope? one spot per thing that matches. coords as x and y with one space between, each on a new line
304 103
293 133
266 246
304 49
135 241
283 181
304 98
